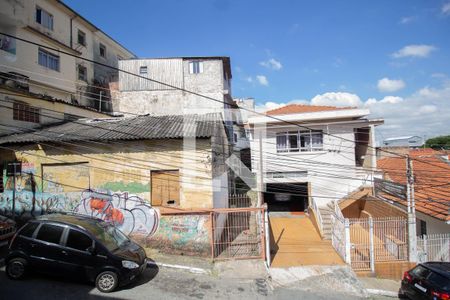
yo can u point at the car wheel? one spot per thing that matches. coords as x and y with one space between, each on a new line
16 268
401 294
107 281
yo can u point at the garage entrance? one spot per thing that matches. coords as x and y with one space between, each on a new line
287 197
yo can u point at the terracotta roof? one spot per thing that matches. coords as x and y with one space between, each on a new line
432 180
301 108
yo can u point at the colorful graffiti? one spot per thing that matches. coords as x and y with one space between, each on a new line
130 213
183 234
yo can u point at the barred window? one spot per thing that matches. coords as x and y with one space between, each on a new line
48 60
299 141
25 112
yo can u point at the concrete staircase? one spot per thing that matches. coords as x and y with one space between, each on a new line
326 212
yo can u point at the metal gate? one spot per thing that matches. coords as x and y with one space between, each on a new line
338 239
377 240
433 247
238 233
360 244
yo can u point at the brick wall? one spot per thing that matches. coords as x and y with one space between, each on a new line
377 209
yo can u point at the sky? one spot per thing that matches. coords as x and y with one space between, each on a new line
392 57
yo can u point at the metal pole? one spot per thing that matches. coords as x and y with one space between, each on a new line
260 172
266 226
412 238
371 246
348 259
14 192
100 102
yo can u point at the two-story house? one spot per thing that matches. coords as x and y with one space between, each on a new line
35 64
179 86
312 153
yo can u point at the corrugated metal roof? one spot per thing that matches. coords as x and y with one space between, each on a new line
133 128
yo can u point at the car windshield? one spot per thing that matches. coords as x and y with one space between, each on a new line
111 237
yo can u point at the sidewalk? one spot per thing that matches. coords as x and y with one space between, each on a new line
237 269
379 286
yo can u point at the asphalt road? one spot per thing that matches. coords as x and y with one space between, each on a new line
156 283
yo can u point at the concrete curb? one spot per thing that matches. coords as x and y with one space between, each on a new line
180 267
382 293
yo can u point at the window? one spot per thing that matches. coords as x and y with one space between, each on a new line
423 227
294 141
195 67
29 229
48 60
24 112
50 233
78 240
81 38
102 49
82 73
44 18
143 70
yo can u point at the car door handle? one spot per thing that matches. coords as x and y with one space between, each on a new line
64 252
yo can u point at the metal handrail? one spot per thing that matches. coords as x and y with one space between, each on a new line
318 214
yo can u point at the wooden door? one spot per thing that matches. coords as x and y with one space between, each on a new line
165 188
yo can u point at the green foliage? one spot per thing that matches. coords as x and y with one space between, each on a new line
439 142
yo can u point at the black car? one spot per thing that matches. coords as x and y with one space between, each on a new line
429 280
77 245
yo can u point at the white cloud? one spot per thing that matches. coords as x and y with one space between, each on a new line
427 109
390 85
446 8
336 99
387 99
407 20
272 64
425 112
262 80
414 51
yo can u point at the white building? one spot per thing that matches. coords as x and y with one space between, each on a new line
312 152
412 141
46 71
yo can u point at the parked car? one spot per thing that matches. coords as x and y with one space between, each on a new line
430 280
78 245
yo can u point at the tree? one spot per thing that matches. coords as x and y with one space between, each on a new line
439 142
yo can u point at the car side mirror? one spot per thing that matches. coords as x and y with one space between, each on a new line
91 250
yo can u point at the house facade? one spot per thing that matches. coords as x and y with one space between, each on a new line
22 110
431 171
173 162
42 69
312 153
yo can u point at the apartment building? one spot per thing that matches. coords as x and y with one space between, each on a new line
41 68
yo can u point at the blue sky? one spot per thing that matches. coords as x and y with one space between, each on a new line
392 57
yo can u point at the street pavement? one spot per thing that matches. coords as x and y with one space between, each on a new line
159 283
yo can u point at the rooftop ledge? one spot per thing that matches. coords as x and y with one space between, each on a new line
333 114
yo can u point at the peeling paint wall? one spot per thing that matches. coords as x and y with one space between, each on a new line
183 234
56 179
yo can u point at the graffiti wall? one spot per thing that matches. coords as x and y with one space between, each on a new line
65 188
183 234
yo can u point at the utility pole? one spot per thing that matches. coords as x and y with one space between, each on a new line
100 102
412 238
260 172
